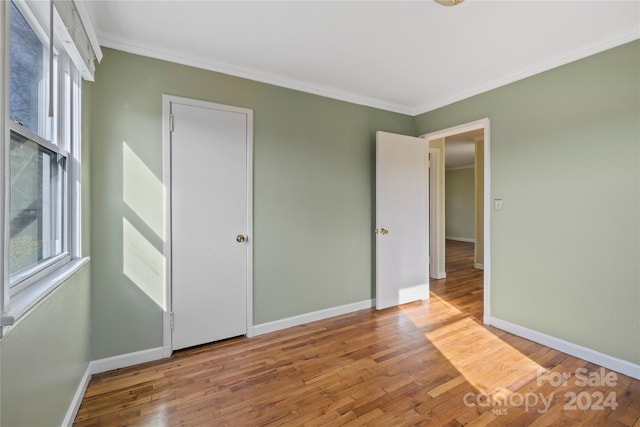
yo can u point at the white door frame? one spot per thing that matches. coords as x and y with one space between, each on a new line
434 214
483 124
167 100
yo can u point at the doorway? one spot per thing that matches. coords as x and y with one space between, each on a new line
481 138
208 168
463 207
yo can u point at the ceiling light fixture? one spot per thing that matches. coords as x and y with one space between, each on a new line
448 2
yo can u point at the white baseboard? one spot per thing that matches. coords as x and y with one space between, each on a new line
590 355
461 239
125 360
72 411
104 365
265 328
478 266
439 276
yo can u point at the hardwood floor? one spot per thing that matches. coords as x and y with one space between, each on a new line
427 363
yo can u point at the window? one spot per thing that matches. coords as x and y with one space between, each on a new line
28 70
40 139
38 157
37 200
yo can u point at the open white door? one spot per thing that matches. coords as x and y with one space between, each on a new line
402 219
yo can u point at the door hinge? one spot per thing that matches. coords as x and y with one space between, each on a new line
171 321
170 122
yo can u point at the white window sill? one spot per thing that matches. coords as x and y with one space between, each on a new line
21 303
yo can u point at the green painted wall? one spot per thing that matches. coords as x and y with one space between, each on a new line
459 203
565 158
45 355
313 195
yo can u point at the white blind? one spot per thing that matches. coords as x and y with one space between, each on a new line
74 29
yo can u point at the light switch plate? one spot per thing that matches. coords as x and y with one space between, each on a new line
497 205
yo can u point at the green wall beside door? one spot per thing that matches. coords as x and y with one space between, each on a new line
565 159
570 219
313 196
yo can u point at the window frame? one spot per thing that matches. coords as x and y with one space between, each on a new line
23 278
46 127
23 289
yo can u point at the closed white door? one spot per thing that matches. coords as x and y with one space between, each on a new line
402 219
209 221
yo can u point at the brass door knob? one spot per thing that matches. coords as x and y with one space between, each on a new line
240 238
382 231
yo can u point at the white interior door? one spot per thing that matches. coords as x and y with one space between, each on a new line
209 222
402 219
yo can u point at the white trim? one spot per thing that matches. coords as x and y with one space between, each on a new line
460 239
249 312
145 49
487 221
72 411
166 330
125 360
5 174
166 226
536 69
167 351
435 248
167 100
590 355
116 42
88 28
478 266
466 127
455 130
276 325
457 168
75 166
28 298
104 365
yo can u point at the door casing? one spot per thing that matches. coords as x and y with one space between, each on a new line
438 251
167 100
434 213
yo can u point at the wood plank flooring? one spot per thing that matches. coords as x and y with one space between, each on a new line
429 363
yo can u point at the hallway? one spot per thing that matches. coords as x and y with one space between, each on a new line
463 286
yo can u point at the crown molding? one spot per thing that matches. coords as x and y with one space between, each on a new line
144 49
140 48
545 66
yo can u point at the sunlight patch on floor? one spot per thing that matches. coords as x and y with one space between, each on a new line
486 362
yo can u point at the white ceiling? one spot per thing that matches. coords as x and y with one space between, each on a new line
404 56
